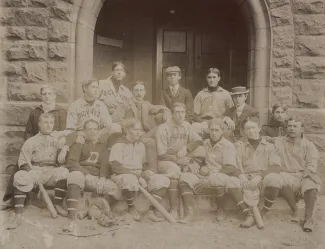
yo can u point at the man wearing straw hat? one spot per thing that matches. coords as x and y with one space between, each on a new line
241 110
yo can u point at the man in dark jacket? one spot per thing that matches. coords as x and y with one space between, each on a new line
175 93
239 112
277 126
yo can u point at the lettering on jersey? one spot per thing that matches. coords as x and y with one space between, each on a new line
177 137
93 158
207 100
110 92
89 112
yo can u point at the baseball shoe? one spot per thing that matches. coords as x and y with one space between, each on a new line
15 222
153 217
249 222
221 214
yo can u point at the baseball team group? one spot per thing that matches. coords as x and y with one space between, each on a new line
113 143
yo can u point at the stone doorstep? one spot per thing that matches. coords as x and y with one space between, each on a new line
203 203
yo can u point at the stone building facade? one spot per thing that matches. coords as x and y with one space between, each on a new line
52 42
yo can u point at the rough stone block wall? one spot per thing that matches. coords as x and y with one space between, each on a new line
37 48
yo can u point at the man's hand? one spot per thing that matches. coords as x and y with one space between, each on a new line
101 185
143 182
80 139
137 172
255 183
244 182
230 123
147 174
183 161
194 167
182 152
201 185
63 153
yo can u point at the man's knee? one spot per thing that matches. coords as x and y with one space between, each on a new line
170 169
76 178
308 184
188 178
62 174
273 180
157 182
23 181
129 182
232 182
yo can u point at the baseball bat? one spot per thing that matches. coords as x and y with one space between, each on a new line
252 202
258 217
157 205
46 197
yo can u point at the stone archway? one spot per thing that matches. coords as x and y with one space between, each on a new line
258 20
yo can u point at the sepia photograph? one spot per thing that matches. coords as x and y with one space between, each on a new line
162 124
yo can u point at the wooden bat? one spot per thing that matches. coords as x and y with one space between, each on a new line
46 197
251 198
157 205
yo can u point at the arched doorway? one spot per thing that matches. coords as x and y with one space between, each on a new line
258 54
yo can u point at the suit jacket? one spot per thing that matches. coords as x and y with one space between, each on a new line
183 95
148 113
248 111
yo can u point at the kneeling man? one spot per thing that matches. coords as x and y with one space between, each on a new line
299 174
89 168
38 164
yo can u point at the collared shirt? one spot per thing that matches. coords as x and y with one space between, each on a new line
239 109
174 89
116 101
297 157
130 155
222 153
256 161
80 111
41 150
212 103
172 137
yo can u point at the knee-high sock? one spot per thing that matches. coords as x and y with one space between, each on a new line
19 200
188 196
173 194
60 191
73 197
310 197
130 197
220 194
270 194
238 197
287 193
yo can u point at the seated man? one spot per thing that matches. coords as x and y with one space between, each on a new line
176 93
48 95
150 117
299 171
128 160
114 94
89 169
178 147
214 178
84 108
241 110
211 102
37 163
277 126
259 162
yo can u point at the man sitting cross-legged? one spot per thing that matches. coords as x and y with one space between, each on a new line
89 168
219 172
299 171
150 117
37 163
178 146
129 168
259 162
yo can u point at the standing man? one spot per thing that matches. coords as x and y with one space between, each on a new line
178 147
277 126
84 108
241 110
114 94
89 168
48 105
259 162
41 152
175 93
299 171
129 168
218 177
